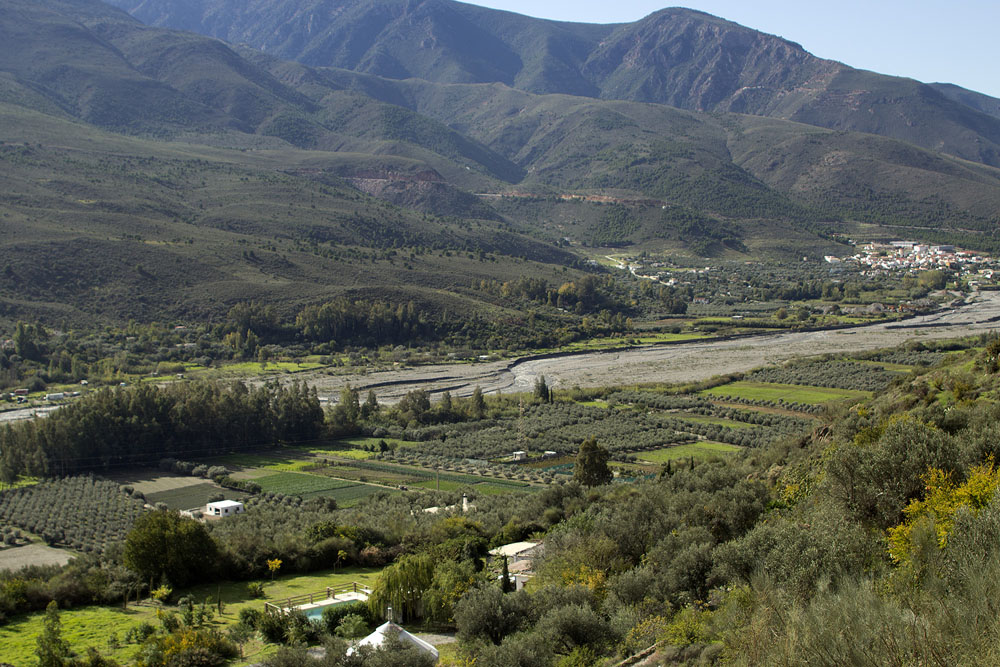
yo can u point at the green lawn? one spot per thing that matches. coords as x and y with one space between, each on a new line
84 627
790 393
699 450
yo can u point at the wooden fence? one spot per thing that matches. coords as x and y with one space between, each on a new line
330 593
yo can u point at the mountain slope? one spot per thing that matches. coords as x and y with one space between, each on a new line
290 185
727 164
970 98
679 57
104 227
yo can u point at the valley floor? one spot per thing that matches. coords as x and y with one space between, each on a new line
664 363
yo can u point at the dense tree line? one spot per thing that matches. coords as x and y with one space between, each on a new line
369 323
134 425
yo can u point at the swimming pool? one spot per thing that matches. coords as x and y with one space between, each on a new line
315 611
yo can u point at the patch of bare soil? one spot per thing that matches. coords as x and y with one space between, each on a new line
14 558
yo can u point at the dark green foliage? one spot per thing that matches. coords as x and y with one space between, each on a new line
83 581
165 547
334 614
362 323
615 227
801 558
142 424
572 627
592 464
875 476
486 613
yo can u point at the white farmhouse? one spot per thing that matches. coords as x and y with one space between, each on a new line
224 508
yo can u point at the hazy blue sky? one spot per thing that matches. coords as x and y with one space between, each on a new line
930 40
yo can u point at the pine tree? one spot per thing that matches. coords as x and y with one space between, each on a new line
542 391
478 403
505 578
53 650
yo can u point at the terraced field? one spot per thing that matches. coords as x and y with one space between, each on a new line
699 450
787 393
702 419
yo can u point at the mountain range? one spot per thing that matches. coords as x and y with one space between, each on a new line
293 151
679 57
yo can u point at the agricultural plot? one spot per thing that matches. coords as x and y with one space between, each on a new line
347 496
158 483
14 558
715 421
429 478
699 450
364 475
299 484
360 444
84 513
784 393
192 496
353 454
286 460
836 373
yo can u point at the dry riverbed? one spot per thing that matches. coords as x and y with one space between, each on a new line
656 363
663 363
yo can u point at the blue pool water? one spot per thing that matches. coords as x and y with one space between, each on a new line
316 613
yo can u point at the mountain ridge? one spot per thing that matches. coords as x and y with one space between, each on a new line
290 184
675 56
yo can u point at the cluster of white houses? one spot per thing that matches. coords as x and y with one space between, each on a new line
913 256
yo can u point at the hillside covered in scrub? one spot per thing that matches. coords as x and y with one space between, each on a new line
858 530
159 174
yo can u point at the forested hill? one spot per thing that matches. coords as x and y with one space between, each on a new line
676 56
153 172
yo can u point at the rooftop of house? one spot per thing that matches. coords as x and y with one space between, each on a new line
514 549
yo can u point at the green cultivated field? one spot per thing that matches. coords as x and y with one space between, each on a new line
190 497
699 450
299 484
492 487
313 486
789 393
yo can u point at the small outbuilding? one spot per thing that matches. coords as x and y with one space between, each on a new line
224 508
388 629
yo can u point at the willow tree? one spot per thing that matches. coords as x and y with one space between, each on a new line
402 586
